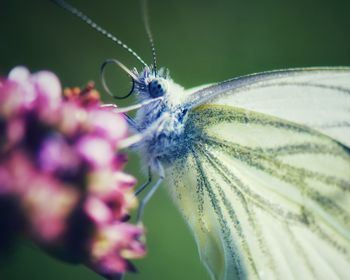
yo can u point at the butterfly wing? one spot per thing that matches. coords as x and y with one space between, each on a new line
316 97
266 198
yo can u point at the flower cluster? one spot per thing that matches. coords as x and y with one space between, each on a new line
61 178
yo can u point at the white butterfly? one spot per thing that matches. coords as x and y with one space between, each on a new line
260 168
258 165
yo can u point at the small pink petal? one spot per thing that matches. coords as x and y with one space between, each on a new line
19 74
119 161
108 124
114 244
48 203
57 155
124 180
97 210
15 130
96 151
113 264
48 88
71 118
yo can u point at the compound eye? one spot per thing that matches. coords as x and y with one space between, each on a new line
156 88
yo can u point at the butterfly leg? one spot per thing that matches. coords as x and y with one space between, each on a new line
149 194
144 185
147 197
131 121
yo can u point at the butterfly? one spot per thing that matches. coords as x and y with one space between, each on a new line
258 165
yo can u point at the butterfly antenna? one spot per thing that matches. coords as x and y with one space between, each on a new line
63 4
144 6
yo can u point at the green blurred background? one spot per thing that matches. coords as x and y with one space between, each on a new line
200 41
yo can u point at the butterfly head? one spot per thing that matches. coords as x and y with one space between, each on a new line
152 85
157 87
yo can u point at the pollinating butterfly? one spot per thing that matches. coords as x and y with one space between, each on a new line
258 165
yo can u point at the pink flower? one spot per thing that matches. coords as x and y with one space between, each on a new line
61 172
